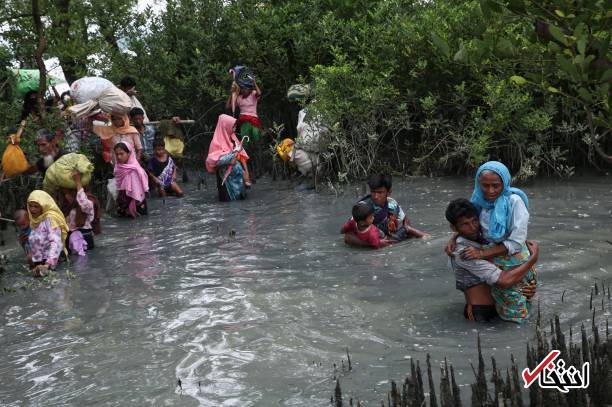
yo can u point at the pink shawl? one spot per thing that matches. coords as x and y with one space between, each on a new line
131 178
221 142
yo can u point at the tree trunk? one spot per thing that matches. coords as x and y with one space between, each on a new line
38 55
592 130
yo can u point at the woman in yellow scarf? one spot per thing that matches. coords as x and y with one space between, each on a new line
49 231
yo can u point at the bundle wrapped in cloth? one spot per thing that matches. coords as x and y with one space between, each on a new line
109 100
14 161
173 138
59 174
88 88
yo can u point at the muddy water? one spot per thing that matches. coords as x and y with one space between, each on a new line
251 303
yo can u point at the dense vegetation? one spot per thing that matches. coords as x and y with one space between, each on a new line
412 86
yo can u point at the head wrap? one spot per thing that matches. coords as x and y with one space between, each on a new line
500 214
221 143
45 134
50 210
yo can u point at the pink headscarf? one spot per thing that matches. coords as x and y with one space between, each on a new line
221 142
130 177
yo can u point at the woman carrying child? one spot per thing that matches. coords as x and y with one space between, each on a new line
162 170
131 181
503 218
82 212
49 232
225 157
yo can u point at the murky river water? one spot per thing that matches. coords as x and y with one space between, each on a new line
259 318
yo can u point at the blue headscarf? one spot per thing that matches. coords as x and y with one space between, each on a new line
498 223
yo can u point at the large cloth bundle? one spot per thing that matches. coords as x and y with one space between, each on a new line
59 174
28 80
110 100
298 92
244 77
14 161
88 88
311 132
172 135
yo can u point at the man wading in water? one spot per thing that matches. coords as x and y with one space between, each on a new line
476 277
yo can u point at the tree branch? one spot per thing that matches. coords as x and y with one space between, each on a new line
42 45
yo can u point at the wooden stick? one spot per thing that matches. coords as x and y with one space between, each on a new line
7 220
179 122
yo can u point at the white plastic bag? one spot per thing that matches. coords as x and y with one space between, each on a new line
88 88
110 100
310 132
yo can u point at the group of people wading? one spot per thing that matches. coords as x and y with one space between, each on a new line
489 254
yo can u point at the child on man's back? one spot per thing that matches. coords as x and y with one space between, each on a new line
361 226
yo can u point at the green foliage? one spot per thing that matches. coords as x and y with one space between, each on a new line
423 87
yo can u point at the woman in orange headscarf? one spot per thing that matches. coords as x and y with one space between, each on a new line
119 131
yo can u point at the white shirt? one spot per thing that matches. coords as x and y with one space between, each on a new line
516 234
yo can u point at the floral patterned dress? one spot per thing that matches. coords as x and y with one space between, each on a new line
510 303
46 243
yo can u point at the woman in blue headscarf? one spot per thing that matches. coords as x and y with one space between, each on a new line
503 209
503 219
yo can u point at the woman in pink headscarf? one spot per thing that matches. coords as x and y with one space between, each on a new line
132 182
224 159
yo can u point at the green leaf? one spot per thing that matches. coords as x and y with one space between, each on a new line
516 6
607 75
560 13
581 44
557 34
552 89
441 44
568 67
460 55
585 95
519 80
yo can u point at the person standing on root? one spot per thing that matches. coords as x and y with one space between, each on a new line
249 126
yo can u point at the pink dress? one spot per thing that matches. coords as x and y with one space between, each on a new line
86 206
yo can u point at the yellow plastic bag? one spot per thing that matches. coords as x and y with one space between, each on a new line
14 161
59 174
285 148
174 146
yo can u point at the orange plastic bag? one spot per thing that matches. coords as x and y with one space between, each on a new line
13 159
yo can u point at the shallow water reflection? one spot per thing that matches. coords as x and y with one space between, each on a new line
251 303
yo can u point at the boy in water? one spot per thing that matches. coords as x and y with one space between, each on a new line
388 214
477 278
22 226
361 226
162 170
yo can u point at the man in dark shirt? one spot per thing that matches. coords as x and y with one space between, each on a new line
48 149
